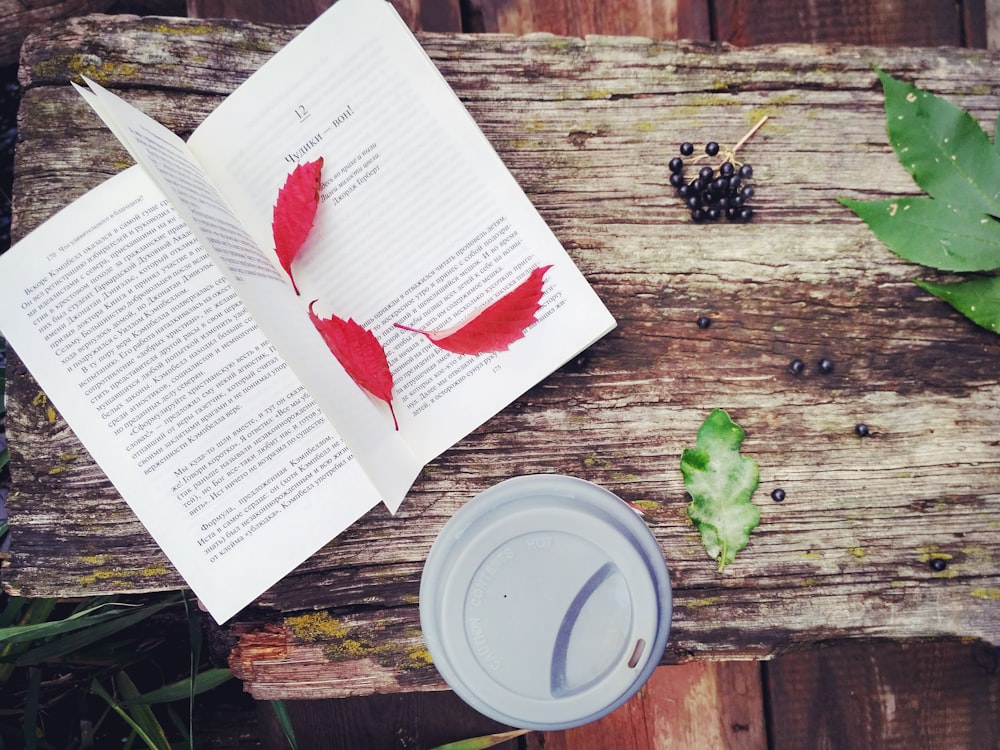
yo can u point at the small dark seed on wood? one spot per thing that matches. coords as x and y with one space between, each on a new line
861 430
704 322
777 494
796 366
938 564
826 366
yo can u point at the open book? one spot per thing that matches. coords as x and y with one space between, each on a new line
156 317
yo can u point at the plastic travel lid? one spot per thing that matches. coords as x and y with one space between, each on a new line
545 602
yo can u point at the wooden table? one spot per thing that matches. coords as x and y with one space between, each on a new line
587 128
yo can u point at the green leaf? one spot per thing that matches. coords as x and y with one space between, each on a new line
721 482
943 147
977 299
932 233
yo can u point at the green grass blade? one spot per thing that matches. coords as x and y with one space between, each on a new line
15 605
35 614
481 743
30 721
285 722
35 627
141 713
97 689
194 636
90 633
186 688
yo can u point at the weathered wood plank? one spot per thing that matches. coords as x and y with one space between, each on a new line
396 722
420 15
18 19
587 128
718 705
656 19
919 22
943 694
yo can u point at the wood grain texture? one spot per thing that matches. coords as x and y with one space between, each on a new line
18 19
882 22
716 705
420 15
404 721
656 19
587 128
885 695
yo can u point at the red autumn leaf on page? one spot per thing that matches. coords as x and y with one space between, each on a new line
359 353
294 212
494 328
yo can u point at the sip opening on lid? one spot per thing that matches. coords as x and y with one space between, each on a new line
545 602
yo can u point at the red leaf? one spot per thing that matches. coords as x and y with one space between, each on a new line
359 353
294 212
496 327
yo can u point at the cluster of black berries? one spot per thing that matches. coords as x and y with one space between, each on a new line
713 193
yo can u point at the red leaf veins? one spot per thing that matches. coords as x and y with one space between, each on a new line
359 353
295 211
496 327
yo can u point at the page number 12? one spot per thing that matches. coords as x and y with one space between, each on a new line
301 112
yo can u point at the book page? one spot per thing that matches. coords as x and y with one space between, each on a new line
420 222
143 346
365 424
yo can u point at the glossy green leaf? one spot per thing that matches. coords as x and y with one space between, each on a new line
943 147
933 233
977 299
721 483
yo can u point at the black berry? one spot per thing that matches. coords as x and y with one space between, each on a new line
777 494
796 366
704 321
938 564
861 430
746 171
712 191
826 366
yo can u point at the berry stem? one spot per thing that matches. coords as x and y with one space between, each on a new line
749 134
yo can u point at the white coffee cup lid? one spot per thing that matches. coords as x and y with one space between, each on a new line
545 602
